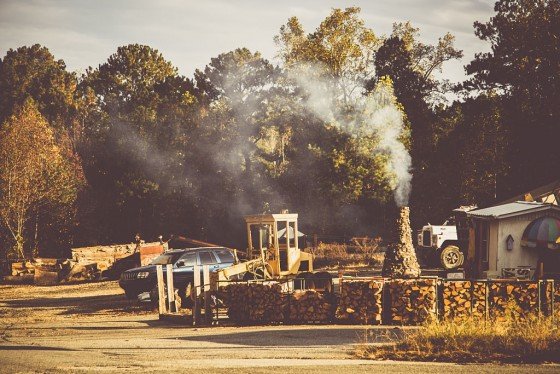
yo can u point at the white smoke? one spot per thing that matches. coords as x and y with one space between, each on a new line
375 114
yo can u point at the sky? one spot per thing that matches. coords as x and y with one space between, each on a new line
189 33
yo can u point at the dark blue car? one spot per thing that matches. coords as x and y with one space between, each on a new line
144 279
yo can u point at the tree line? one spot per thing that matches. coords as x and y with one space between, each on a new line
133 147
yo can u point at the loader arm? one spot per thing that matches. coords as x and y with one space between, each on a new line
240 268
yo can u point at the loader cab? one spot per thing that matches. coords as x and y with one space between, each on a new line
273 237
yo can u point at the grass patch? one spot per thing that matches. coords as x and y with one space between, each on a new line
360 252
533 340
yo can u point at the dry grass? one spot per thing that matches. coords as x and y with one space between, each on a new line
361 252
533 340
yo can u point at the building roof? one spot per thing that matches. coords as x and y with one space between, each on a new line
516 208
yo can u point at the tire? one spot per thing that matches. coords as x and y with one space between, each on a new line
131 294
323 281
451 257
307 282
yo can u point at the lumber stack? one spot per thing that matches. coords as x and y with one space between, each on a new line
413 301
128 255
513 300
254 302
360 301
310 306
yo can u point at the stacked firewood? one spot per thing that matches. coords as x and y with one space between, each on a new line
513 300
457 300
556 298
310 306
479 299
413 301
360 301
254 302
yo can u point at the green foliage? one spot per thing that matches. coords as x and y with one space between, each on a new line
164 154
522 68
33 72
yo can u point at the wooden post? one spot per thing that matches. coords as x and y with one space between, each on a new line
315 243
161 290
196 290
206 276
171 306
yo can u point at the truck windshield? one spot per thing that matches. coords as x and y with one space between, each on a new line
166 258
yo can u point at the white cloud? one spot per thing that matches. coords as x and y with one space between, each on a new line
189 33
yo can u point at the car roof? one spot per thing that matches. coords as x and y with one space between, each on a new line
197 249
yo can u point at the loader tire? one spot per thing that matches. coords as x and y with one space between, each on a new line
451 257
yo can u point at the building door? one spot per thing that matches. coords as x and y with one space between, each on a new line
481 247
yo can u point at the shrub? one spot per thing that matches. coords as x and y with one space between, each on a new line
529 341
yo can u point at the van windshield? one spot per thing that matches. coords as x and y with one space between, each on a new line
166 258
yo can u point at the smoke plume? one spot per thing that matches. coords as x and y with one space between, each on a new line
341 103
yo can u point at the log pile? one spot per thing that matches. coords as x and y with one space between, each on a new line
412 301
310 306
360 301
21 268
513 300
47 271
254 302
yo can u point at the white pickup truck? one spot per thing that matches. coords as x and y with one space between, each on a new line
438 245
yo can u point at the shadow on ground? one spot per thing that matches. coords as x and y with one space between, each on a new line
81 305
302 337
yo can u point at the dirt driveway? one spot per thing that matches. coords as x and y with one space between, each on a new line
93 328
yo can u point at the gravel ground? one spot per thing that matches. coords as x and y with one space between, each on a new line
93 328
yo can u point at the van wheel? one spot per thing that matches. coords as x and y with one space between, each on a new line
451 257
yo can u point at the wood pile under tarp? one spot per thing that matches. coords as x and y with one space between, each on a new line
412 301
360 301
254 303
310 306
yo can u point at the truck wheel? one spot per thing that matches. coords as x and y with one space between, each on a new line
131 294
451 257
